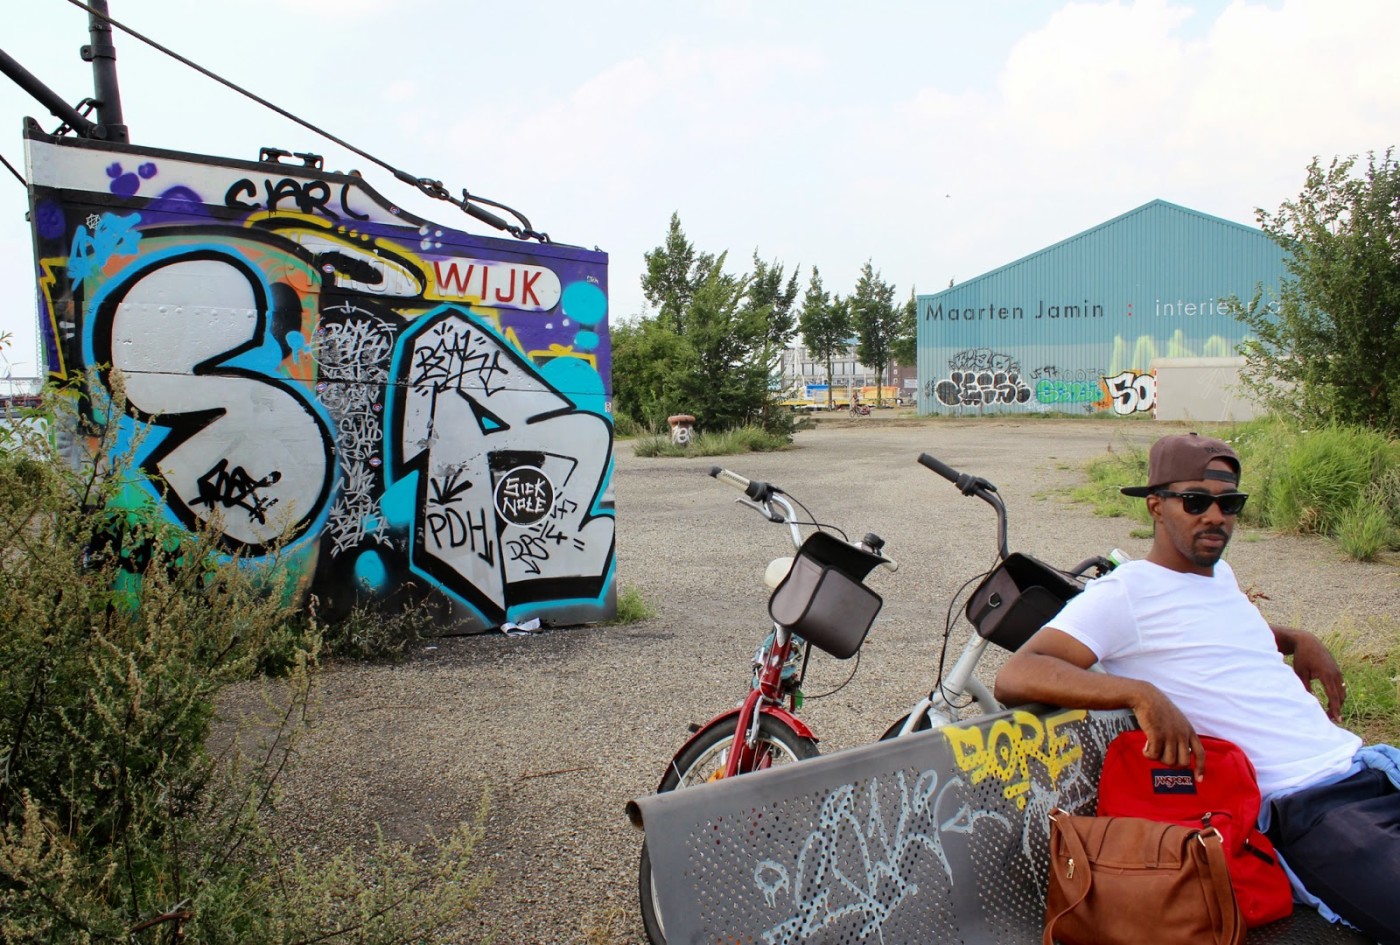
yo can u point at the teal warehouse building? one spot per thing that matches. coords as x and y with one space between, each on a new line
1077 326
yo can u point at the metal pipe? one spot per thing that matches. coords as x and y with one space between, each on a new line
47 97
102 53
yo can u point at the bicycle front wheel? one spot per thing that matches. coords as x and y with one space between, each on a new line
704 760
922 725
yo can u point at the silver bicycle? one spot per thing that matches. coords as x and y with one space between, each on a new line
1013 600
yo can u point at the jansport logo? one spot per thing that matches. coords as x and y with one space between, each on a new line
1173 781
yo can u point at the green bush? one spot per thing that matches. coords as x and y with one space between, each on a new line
625 426
1109 473
724 443
1339 482
369 633
632 607
1320 476
117 822
1363 532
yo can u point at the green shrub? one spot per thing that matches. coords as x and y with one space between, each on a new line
632 607
1109 473
1363 532
724 443
1321 475
625 426
117 822
1340 482
369 633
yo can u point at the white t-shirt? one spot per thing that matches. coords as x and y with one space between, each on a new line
1201 641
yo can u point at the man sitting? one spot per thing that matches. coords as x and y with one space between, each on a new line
1184 648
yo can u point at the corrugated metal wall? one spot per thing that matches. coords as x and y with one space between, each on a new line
1074 327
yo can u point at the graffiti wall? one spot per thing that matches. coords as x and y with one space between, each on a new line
1076 327
402 411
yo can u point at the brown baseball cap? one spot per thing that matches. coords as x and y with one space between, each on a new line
1184 457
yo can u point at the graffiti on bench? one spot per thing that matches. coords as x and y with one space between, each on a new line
936 834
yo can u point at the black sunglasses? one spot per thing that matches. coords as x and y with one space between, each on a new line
1196 503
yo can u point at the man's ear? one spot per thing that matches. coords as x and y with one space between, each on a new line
1154 507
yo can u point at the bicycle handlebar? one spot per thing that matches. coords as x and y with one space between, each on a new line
753 488
969 484
940 467
761 494
1098 564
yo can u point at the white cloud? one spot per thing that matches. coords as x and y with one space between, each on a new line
935 142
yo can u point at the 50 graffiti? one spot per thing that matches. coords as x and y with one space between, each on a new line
1132 392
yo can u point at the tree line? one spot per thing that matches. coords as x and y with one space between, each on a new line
713 345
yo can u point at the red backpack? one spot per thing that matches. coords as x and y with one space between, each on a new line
1133 785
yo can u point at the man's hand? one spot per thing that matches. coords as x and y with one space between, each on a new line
1312 661
1170 737
1053 667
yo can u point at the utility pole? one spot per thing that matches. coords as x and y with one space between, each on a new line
103 55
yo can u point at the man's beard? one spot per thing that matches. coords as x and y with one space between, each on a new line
1207 559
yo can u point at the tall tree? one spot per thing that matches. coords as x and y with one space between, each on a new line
825 326
730 385
905 348
713 343
1331 351
772 301
674 271
876 322
652 371
768 289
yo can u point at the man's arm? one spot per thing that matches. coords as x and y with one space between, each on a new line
1311 660
1053 667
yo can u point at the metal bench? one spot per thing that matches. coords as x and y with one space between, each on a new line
938 837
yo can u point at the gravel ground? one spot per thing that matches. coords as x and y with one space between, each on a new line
563 727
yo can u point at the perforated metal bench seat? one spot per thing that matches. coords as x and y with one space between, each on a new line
940 837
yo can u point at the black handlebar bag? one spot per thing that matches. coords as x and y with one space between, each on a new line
822 598
1017 598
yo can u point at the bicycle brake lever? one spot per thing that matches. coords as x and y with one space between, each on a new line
969 484
762 509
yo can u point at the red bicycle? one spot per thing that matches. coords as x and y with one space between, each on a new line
819 600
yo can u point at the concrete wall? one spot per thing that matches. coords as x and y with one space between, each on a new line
1202 389
412 411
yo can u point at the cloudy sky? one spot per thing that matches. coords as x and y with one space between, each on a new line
936 139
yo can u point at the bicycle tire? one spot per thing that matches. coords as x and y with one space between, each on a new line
702 761
923 725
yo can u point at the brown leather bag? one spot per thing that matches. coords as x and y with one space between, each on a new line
1130 880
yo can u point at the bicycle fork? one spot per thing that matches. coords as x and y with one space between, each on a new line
960 681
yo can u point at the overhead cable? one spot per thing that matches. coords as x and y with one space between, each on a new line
18 176
433 188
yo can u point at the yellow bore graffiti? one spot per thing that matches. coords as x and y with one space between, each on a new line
1009 747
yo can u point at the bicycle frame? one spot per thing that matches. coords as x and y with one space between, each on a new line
767 695
941 706
770 690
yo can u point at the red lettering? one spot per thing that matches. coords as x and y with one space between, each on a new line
527 291
511 297
485 277
453 277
